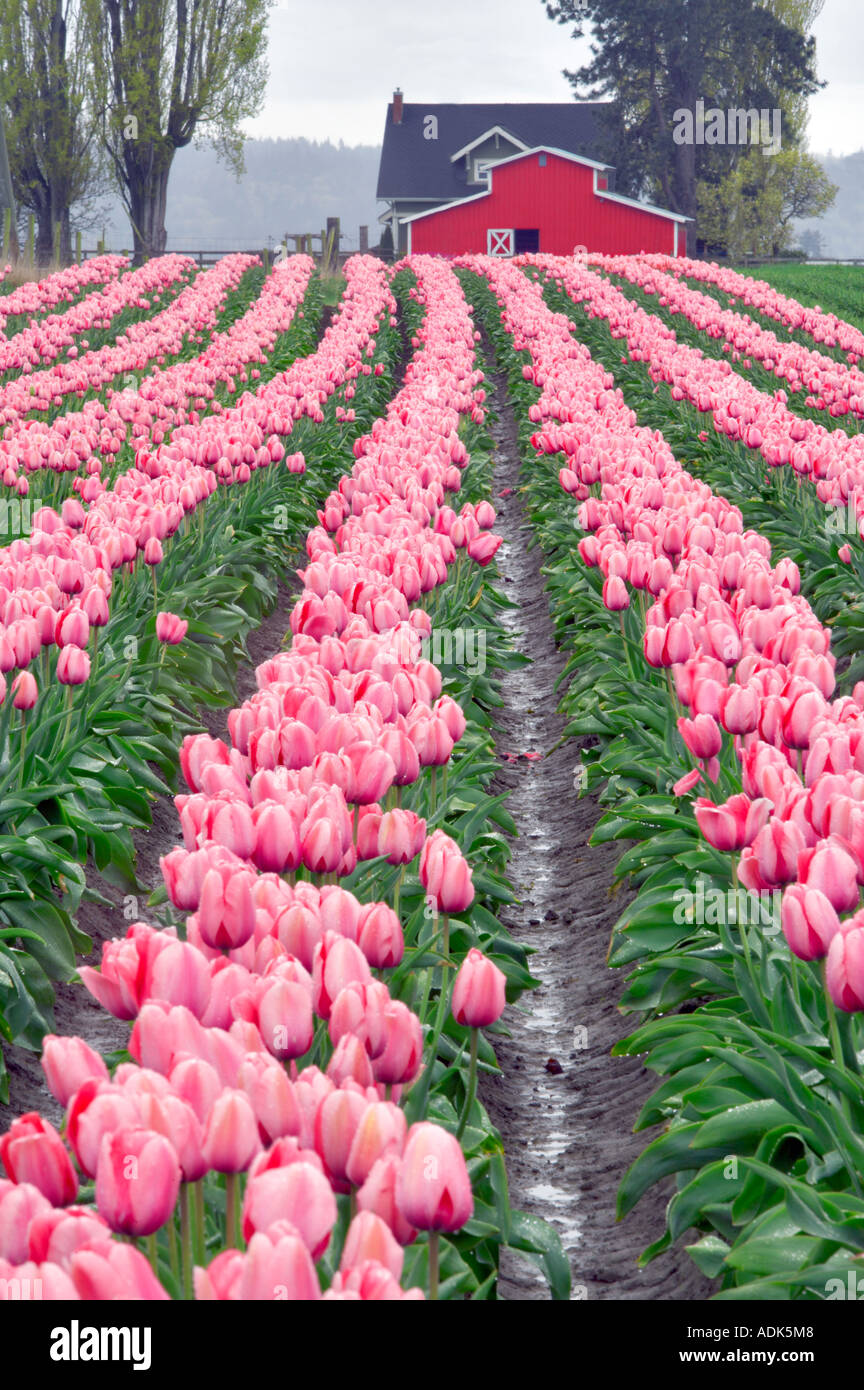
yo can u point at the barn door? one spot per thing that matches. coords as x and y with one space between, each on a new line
499 241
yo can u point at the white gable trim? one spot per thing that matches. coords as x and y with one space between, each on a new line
445 207
487 135
643 207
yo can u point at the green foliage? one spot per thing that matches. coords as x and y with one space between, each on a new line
50 128
751 210
162 73
661 56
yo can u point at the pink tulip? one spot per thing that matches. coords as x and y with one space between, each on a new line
478 997
226 914
109 1271
171 629
137 1181
733 824
335 1126
445 874
277 1265
433 1189
299 1194
809 921
775 851
380 936
378 1194
831 869
56 1234
484 547
400 1060
844 970
73 628
231 1134
370 1238
67 1064
97 1109
381 1130
615 595
337 963
25 691
701 735
73 666
32 1151
20 1204
400 836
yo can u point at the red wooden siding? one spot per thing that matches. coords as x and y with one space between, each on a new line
558 199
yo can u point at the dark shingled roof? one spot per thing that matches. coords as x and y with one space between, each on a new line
413 167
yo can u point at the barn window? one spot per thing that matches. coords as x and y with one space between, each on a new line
499 241
541 160
526 239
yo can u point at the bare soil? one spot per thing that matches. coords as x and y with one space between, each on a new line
564 1106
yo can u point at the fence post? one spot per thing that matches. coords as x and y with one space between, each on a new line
78 246
364 240
31 238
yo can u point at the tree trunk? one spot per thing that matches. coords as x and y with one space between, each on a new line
148 198
55 209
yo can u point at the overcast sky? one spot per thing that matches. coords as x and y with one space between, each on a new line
334 64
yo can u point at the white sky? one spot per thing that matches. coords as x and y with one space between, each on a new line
334 64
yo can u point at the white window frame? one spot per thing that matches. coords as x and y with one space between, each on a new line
495 246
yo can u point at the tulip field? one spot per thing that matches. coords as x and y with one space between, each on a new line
252 816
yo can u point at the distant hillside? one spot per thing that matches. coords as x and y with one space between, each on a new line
289 186
842 227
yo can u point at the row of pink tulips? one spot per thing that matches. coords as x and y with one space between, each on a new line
57 585
832 459
827 383
83 435
823 326
36 297
49 338
222 1019
750 661
80 440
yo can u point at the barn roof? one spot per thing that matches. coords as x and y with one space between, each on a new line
413 167
562 154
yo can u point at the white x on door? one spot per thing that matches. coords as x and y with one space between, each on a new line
499 241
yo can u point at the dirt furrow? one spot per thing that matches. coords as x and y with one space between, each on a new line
565 1108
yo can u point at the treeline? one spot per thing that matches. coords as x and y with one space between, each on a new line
289 185
97 97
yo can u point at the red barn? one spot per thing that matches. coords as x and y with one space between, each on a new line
545 199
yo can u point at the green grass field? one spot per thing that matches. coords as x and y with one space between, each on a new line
838 289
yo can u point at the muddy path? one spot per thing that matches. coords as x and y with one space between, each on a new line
565 1108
